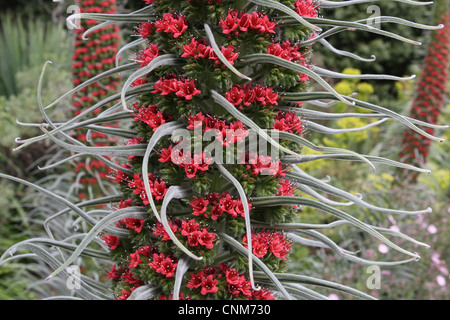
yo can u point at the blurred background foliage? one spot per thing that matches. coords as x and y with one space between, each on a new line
30 34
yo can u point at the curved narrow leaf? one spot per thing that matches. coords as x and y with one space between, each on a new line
282 200
306 179
289 277
164 60
182 267
304 142
222 58
329 46
248 228
174 192
97 228
163 130
269 58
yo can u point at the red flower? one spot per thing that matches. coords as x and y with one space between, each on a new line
199 205
229 54
168 267
229 24
159 190
245 286
286 188
150 116
216 212
160 231
189 227
263 294
288 122
239 208
232 276
244 21
135 260
148 54
187 89
209 285
202 161
112 241
177 26
166 86
134 224
114 274
236 95
146 251
145 29
196 280
206 239
163 265
279 246
228 205
171 24
166 155
306 8
190 50
195 121
125 295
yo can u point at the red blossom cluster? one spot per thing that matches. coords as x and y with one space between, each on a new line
144 257
165 266
172 23
236 22
197 49
214 205
193 165
224 278
228 133
146 56
306 8
244 96
150 115
257 165
158 188
268 242
145 29
288 122
183 88
286 188
290 53
429 98
191 230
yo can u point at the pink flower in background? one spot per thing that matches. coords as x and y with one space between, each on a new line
333 296
382 248
395 228
432 229
441 281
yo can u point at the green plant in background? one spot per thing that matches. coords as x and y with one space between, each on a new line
376 55
185 226
25 43
22 49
